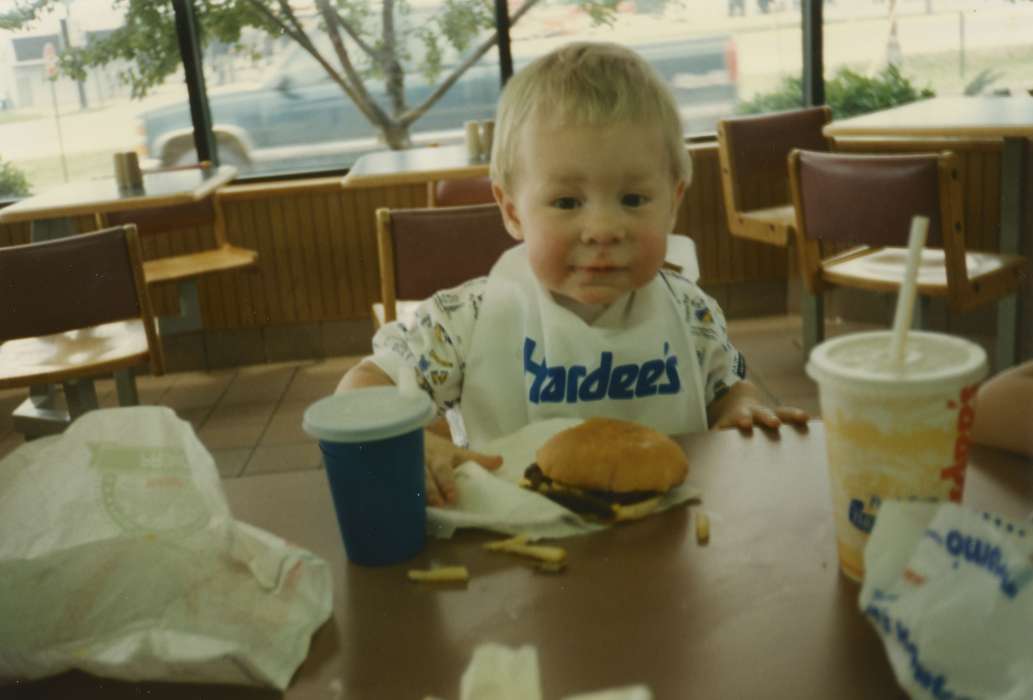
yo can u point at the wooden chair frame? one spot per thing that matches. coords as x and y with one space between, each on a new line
224 256
387 310
961 291
771 225
38 414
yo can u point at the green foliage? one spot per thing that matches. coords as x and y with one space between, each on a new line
22 12
848 93
13 182
379 40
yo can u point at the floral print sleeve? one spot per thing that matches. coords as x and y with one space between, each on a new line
721 365
433 345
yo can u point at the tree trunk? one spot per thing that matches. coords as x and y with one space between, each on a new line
394 74
395 136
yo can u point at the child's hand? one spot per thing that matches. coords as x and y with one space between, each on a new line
442 456
742 407
748 414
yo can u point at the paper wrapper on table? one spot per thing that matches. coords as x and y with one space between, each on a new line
950 591
494 500
497 672
119 557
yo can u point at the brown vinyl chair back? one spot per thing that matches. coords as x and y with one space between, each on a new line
76 282
870 200
753 151
425 250
461 192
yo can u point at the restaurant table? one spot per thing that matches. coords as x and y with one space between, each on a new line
413 166
53 213
761 611
1006 118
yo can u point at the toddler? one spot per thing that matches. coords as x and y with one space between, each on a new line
588 166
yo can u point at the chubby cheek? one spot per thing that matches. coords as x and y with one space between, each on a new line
548 257
651 252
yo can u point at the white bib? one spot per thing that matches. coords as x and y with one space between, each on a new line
530 359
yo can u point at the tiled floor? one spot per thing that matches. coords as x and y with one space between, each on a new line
250 418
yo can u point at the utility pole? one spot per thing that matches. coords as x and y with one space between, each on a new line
66 44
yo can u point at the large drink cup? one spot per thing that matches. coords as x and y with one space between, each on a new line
893 433
372 445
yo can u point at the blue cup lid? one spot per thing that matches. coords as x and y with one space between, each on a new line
373 413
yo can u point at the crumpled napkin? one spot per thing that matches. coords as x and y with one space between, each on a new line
495 500
497 672
950 590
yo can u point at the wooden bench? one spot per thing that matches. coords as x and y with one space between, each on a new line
184 269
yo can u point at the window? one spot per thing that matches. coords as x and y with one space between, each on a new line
950 48
713 53
55 129
277 108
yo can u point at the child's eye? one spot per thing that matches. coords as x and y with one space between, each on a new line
634 200
566 203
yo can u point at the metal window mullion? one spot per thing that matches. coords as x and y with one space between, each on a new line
505 53
813 59
193 71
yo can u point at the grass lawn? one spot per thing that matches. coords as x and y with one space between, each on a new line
47 172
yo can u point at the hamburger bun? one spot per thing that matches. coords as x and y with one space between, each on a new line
617 456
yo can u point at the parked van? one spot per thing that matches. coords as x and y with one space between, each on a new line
298 118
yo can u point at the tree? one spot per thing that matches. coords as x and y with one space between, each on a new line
364 44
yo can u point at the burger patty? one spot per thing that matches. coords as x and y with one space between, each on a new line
590 502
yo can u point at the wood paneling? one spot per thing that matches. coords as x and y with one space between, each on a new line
316 254
316 242
723 259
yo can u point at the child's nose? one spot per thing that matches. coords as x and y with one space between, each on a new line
603 227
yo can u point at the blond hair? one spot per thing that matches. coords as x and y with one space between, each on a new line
586 84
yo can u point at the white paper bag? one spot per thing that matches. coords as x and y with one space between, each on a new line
950 591
118 556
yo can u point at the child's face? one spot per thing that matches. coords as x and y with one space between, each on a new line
594 206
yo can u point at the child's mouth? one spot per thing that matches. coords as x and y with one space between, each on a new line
598 269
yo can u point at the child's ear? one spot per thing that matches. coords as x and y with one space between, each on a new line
509 213
679 193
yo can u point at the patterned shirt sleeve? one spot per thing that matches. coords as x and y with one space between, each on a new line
432 347
721 365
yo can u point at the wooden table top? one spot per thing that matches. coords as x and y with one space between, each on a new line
760 611
413 166
972 117
160 188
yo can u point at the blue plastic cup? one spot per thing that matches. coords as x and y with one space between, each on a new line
372 444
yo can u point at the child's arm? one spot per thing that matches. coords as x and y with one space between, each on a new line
440 454
743 406
1004 411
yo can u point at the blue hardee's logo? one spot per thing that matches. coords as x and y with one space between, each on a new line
860 518
562 384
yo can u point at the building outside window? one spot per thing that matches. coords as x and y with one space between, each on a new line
55 129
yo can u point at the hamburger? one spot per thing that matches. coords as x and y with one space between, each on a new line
607 470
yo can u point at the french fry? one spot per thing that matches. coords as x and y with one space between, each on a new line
635 511
518 545
702 527
443 574
551 567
